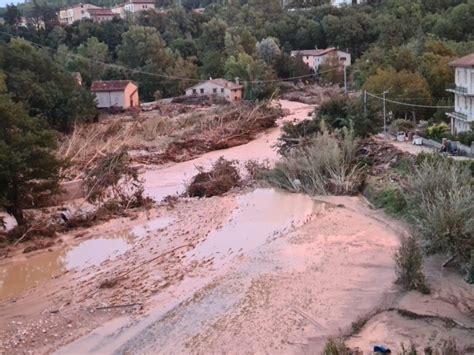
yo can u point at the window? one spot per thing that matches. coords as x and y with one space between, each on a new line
222 90
194 92
202 91
342 58
214 91
82 12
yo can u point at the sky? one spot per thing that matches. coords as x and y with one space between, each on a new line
4 3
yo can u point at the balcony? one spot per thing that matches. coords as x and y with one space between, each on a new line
460 90
458 115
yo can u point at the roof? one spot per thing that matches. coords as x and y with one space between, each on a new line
220 82
142 2
101 12
111 85
467 61
314 52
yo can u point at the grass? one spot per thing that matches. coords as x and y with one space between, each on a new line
325 166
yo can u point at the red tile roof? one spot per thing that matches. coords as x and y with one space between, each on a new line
111 85
142 1
467 61
314 52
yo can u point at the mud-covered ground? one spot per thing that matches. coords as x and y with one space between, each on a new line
256 270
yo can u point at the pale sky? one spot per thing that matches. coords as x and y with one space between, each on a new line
3 3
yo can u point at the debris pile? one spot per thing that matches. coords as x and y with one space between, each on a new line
223 176
237 125
311 94
379 155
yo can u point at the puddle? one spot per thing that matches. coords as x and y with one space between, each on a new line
154 225
262 214
20 275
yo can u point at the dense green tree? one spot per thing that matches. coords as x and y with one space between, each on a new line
28 165
12 15
45 89
268 50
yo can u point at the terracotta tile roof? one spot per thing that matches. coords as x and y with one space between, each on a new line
142 1
314 52
220 82
101 12
467 61
111 85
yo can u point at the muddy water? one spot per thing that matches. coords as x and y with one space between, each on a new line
171 180
21 275
262 214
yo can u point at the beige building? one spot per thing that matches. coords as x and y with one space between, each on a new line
314 58
101 15
218 87
75 13
119 10
462 118
135 6
116 94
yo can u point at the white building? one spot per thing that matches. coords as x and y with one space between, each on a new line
218 87
116 93
462 119
314 58
135 6
75 13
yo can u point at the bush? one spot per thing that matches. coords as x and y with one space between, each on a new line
391 199
223 176
335 347
408 266
440 194
325 166
401 125
466 137
437 131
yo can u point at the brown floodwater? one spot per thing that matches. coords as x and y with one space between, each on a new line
20 275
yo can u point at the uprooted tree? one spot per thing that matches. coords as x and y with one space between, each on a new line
28 166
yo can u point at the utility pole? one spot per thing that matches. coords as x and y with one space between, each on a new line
345 80
384 115
365 103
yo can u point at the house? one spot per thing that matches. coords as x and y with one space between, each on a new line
462 118
314 58
116 93
75 13
219 87
135 6
119 10
347 2
101 15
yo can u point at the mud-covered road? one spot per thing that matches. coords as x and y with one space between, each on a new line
256 270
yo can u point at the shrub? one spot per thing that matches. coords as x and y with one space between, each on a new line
223 176
466 137
408 266
325 166
440 194
335 347
437 131
401 125
391 199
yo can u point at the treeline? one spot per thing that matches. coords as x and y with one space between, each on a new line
251 40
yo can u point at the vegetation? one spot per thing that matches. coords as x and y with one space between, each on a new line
408 266
28 166
317 171
335 347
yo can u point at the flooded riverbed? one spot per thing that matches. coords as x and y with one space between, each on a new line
20 275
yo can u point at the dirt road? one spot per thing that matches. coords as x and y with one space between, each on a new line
256 270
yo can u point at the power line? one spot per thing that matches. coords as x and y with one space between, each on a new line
164 76
406 104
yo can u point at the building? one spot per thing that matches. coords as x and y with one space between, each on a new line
119 10
314 58
135 6
116 94
219 87
462 118
101 15
75 13
347 2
